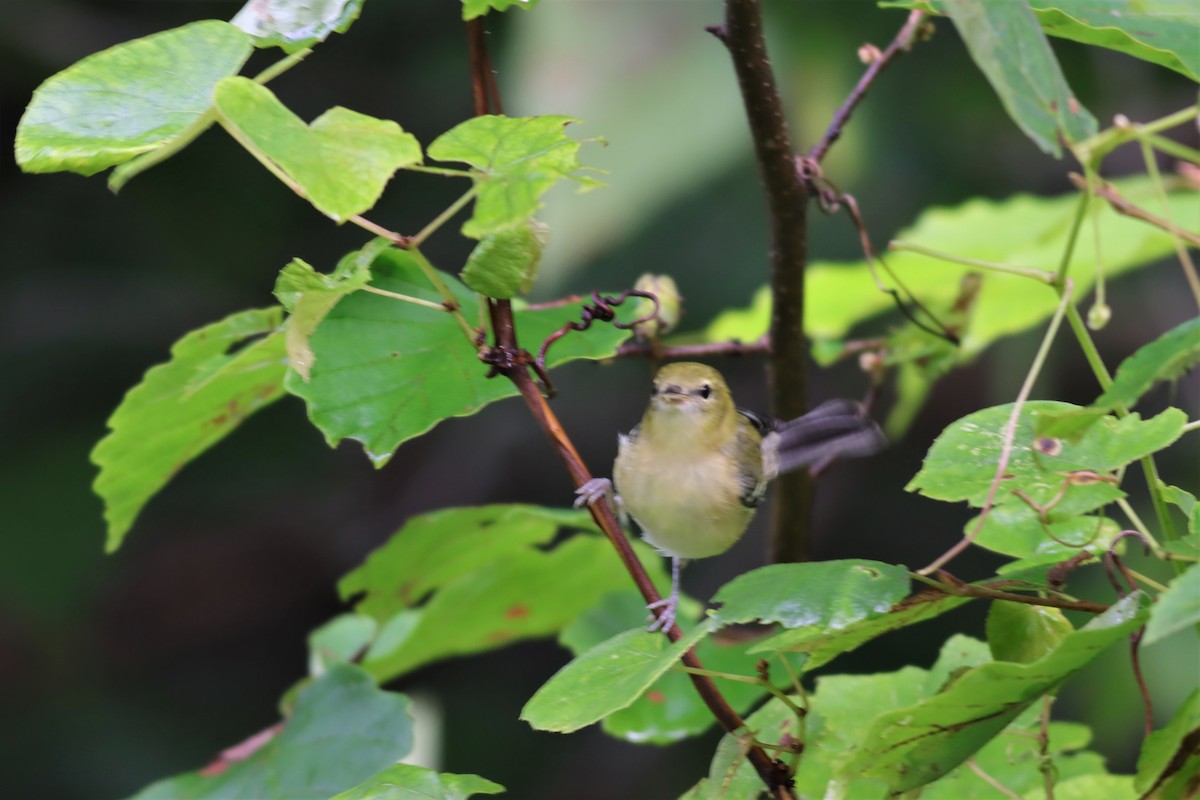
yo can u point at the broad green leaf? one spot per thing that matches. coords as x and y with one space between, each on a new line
434 549
1022 632
477 8
910 747
1177 608
1171 755
505 264
605 679
670 709
340 162
343 730
217 376
387 371
1015 529
1088 787
1021 230
962 461
516 160
129 99
1007 44
1162 32
519 595
823 644
339 641
828 595
295 26
409 782
308 295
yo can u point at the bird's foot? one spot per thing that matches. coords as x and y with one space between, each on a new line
665 620
593 490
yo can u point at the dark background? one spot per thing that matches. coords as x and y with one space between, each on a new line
118 670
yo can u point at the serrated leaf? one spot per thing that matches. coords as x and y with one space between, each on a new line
339 641
410 782
185 406
437 548
913 746
1186 502
518 595
340 162
128 99
962 461
294 26
605 679
387 371
670 709
477 8
827 594
1015 529
516 160
309 295
1162 32
1007 44
1171 754
1177 608
343 730
505 264
1022 632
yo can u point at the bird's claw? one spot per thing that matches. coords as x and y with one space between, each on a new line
592 491
666 619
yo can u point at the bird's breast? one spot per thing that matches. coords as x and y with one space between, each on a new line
686 503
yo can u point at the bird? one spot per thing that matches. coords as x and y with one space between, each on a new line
696 467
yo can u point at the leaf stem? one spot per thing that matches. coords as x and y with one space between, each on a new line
449 301
443 217
1138 525
405 297
282 65
1040 275
731 676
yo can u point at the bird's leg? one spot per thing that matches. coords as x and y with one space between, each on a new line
666 618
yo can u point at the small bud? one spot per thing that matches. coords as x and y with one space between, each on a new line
670 305
1121 121
1098 316
869 53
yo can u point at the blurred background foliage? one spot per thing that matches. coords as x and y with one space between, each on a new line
120 670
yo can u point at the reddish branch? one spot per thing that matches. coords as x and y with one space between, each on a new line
903 41
787 204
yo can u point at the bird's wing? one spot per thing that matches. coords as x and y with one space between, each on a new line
834 429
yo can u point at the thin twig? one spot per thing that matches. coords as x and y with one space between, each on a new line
959 588
903 41
1106 191
990 781
787 204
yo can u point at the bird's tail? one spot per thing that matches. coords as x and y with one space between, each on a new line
834 429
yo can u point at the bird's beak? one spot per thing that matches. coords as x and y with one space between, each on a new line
674 394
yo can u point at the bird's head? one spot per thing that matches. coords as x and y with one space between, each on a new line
691 396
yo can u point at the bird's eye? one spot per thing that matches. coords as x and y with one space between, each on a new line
705 390
653 390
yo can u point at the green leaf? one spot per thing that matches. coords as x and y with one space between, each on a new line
343 730
217 376
1007 44
340 162
518 595
434 549
1177 608
1171 755
605 679
129 99
505 264
913 746
1185 502
1089 787
1015 529
828 595
387 371
1021 230
309 295
1164 359
962 461
409 782
516 160
823 644
477 8
1022 632
670 710
295 26
339 641
1162 32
